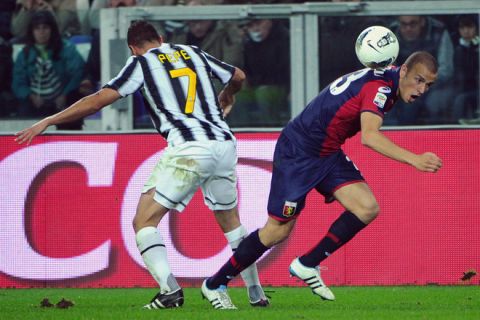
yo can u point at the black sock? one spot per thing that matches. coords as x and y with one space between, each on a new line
340 232
248 251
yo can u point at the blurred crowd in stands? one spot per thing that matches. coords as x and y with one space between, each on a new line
43 68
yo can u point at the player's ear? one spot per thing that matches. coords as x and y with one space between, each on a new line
403 70
160 39
133 50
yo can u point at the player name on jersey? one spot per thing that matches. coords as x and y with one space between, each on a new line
173 57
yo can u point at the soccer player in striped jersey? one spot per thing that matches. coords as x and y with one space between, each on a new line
176 82
308 156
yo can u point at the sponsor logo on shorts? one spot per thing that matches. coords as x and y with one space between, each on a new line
380 100
289 208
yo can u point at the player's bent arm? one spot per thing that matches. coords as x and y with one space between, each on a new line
80 109
374 139
85 106
236 82
226 97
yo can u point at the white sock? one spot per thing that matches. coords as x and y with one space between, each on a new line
249 275
152 248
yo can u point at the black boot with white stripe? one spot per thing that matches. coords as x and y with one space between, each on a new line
166 300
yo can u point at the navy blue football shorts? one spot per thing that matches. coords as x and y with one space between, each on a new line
295 173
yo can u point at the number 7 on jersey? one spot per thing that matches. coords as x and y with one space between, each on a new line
192 86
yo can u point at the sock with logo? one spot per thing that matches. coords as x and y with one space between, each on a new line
250 274
249 250
340 232
152 248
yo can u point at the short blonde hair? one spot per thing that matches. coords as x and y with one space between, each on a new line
422 57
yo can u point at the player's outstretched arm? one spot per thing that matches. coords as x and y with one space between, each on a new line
80 109
373 138
226 97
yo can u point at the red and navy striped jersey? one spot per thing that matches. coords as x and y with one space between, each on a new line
334 115
176 82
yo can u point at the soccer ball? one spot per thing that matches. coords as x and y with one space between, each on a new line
377 47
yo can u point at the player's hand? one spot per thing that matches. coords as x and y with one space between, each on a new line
428 162
227 110
26 135
226 101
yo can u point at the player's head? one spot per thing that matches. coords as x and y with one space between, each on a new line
141 36
417 75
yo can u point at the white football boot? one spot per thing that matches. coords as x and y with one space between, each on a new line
311 276
218 298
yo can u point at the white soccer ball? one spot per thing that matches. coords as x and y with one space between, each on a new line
377 47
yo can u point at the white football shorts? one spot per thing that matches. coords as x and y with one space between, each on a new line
185 167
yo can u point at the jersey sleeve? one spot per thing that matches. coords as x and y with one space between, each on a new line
376 97
129 79
221 70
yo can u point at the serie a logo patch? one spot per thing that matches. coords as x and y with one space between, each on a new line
289 208
380 100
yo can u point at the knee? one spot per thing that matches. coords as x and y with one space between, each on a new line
278 237
367 212
273 234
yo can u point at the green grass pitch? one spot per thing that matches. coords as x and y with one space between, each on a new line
409 302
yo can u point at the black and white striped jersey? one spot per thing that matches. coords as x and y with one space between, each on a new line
176 83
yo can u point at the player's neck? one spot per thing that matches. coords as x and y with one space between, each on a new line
148 46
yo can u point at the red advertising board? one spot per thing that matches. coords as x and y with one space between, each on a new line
67 202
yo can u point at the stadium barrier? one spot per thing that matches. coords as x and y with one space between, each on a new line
67 202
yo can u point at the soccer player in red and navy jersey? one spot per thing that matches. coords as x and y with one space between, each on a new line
308 156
